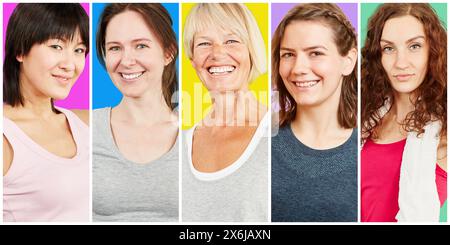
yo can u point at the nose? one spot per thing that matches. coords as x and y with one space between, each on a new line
301 65
67 63
401 59
128 58
218 50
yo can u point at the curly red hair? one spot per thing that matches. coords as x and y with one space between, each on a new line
431 104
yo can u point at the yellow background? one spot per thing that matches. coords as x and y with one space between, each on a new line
190 113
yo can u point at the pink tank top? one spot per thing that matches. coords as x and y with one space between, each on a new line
41 186
380 176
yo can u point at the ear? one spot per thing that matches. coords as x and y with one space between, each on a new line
349 62
168 58
19 58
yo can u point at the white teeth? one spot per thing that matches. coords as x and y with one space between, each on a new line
62 78
221 69
131 76
306 84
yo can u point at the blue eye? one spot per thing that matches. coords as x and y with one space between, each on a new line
203 44
141 46
231 41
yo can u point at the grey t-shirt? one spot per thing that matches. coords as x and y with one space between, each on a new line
127 191
238 193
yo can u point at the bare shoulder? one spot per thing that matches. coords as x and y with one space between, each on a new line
442 153
7 155
83 115
7 110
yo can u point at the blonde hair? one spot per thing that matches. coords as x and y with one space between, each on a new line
228 16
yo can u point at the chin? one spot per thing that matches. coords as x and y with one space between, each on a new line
306 102
405 89
59 96
131 93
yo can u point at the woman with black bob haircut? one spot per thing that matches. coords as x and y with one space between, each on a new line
45 148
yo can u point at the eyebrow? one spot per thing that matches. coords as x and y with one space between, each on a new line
66 40
133 41
407 41
305 49
226 35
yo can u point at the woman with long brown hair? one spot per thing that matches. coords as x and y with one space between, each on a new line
404 115
135 144
314 154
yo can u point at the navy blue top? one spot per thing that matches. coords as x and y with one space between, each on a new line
311 185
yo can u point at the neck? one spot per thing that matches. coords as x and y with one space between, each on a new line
146 110
402 106
239 108
317 121
35 104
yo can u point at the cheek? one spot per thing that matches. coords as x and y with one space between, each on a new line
240 54
422 62
325 68
151 60
197 61
387 62
111 62
285 68
80 62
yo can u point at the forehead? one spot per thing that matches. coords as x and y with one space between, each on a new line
127 25
400 29
306 34
214 31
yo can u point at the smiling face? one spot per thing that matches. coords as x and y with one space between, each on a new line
50 69
134 57
404 53
221 60
310 65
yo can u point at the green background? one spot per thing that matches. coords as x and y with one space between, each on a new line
367 9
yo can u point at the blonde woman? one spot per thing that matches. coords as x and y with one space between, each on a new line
225 155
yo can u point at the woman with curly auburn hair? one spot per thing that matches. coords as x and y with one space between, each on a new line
404 115
314 154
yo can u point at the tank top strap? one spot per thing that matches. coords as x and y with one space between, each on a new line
80 130
22 151
15 136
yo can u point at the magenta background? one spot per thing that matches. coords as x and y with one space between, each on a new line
79 95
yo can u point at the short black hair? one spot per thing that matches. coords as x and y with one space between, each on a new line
35 23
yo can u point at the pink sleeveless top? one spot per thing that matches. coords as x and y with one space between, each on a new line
40 186
380 176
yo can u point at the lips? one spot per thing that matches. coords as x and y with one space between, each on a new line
305 83
131 76
221 70
404 77
63 79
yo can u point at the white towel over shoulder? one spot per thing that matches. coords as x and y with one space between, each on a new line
418 197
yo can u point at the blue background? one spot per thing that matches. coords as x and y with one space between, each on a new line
104 93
